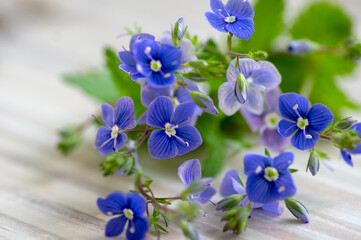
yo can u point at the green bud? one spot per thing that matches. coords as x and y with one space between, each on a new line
189 230
118 162
313 163
297 209
197 64
230 202
237 219
194 75
70 139
344 124
204 102
347 139
187 210
241 88
258 55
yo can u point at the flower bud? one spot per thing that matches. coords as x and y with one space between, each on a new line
189 230
297 209
313 163
258 55
178 32
346 139
70 138
118 163
344 124
300 47
237 219
204 102
230 202
241 88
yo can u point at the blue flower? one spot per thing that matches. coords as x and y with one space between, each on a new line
299 47
267 122
304 122
347 154
231 185
109 137
175 136
189 172
258 76
128 59
234 17
127 208
180 29
269 179
157 62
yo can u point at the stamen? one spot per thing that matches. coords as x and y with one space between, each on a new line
182 141
290 127
295 107
240 9
224 7
167 75
147 50
101 146
308 136
258 169
100 121
281 189
220 14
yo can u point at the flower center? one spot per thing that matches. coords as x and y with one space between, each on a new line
230 19
272 120
271 174
115 131
155 65
302 123
170 130
128 214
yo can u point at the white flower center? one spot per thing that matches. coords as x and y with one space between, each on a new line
115 131
271 174
155 65
128 214
302 123
170 130
272 120
230 19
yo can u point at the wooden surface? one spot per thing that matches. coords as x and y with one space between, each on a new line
46 196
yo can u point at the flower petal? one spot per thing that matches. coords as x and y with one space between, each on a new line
272 140
283 161
287 128
115 226
183 113
149 93
255 163
346 156
265 79
254 102
139 51
240 9
285 185
190 135
157 79
107 114
228 102
242 28
120 141
246 65
216 21
255 122
227 186
288 101
127 58
160 112
139 226
271 98
319 117
260 190
170 57
114 203
299 140
190 171
273 207
206 195
161 146
104 141
217 5
136 203
124 116
137 37
269 66
188 51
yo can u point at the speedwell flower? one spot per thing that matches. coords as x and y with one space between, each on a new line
175 136
189 172
127 57
347 154
268 178
305 122
257 77
235 17
157 62
110 137
300 47
129 208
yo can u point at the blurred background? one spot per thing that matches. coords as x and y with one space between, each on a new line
41 40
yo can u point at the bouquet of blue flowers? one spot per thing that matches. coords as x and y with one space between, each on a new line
176 94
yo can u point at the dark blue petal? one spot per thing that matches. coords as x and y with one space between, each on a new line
141 46
140 227
299 140
120 141
346 156
124 116
107 114
149 93
319 117
182 95
136 203
115 226
144 68
288 101
242 28
265 79
260 190
183 113
161 146
190 171
170 57
218 5
104 140
216 21
160 112
206 195
287 128
157 79
240 9
255 163
227 186
137 37
273 207
283 161
189 135
357 128
356 150
228 102
272 140
285 185
127 58
114 203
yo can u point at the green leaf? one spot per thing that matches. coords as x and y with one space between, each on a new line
96 83
292 170
266 152
323 23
